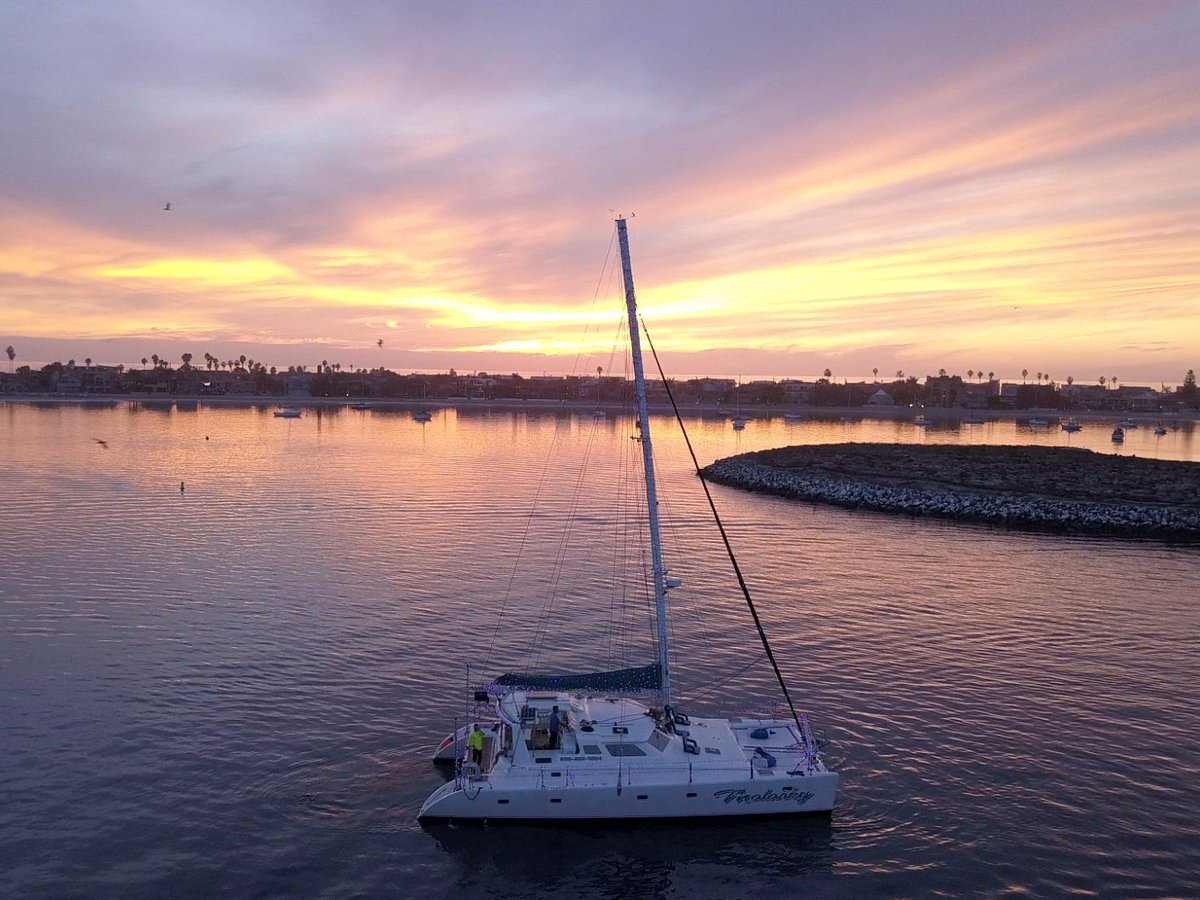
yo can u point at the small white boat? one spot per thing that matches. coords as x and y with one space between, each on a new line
1071 425
422 415
793 417
739 422
288 412
1160 429
973 420
1038 423
920 421
1129 423
1118 435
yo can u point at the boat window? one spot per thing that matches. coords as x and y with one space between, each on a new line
591 749
624 750
658 740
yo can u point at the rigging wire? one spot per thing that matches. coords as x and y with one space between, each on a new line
706 689
762 634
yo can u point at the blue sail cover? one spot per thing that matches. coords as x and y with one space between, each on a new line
643 678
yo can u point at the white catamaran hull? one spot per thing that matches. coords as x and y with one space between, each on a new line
531 800
620 763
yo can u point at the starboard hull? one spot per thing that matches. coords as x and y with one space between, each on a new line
483 799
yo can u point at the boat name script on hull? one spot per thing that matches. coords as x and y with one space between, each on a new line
740 795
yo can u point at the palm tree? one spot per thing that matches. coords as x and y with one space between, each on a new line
991 376
154 357
12 354
941 373
1113 381
899 374
144 361
88 362
970 374
187 360
1102 380
1024 375
874 371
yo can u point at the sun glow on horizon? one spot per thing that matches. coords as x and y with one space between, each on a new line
1027 190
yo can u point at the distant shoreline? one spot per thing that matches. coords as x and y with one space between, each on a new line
1057 489
933 414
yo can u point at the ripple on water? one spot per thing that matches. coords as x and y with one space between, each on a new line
235 691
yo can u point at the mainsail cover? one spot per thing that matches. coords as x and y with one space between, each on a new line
640 678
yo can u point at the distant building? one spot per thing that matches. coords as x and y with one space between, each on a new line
881 398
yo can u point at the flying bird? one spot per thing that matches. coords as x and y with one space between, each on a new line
167 207
379 343
103 444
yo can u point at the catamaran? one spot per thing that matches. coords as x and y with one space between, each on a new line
613 745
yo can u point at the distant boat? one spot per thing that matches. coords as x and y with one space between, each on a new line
1160 429
1129 423
422 415
973 420
288 412
1038 423
1071 425
920 421
739 421
793 417
360 406
1118 435
598 412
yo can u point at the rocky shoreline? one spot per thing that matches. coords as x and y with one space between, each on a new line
1040 488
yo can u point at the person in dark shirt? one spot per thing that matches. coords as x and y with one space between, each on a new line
556 723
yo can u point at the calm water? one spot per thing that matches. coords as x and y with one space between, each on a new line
235 690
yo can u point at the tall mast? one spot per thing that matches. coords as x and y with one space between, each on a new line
639 380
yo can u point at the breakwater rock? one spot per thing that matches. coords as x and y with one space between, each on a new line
1043 488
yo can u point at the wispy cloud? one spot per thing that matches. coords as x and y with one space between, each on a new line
923 186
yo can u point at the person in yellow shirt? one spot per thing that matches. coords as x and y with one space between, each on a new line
475 746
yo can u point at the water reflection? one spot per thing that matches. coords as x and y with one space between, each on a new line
276 652
651 859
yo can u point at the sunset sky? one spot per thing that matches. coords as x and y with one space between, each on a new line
907 186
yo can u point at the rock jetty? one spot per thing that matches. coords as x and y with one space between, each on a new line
1042 488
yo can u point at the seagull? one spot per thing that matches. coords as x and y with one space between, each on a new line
167 207
103 444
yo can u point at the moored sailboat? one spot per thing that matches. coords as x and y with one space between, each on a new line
592 746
